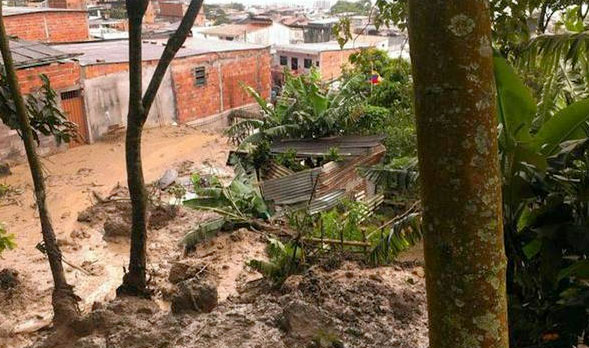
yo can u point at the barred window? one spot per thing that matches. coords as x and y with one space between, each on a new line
200 76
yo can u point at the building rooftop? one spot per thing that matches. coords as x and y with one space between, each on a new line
29 53
117 51
233 30
314 48
18 10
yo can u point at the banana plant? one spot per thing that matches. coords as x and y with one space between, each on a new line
306 108
523 146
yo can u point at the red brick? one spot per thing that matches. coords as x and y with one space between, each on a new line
51 27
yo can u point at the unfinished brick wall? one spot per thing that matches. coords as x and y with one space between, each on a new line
331 63
173 9
248 67
69 4
63 76
51 27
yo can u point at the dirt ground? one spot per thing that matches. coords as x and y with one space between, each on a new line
353 306
72 177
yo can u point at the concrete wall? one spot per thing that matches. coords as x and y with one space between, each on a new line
106 98
50 27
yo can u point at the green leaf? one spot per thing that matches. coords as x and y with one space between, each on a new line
532 248
566 124
579 269
517 107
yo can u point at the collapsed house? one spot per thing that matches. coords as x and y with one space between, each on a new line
321 188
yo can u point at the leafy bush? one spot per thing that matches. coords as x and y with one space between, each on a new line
6 240
285 259
388 106
545 179
45 116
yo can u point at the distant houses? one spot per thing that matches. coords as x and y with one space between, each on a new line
84 51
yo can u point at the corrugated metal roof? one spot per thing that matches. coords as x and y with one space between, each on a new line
117 51
347 145
326 185
291 189
29 53
23 10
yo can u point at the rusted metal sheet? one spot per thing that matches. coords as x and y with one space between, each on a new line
291 189
275 171
326 202
324 186
347 146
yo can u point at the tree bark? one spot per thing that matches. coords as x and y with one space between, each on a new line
135 281
64 301
455 103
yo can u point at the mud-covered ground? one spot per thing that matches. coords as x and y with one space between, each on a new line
348 307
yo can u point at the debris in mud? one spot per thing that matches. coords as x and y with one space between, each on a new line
161 215
185 269
167 179
195 295
4 169
8 279
347 312
116 226
304 321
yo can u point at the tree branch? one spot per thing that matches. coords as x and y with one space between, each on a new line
173 45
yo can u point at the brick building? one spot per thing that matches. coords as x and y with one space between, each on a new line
175 10
327 57
69 4
32 59
202 85
51 25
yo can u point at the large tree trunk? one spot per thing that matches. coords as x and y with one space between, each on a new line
455 105
65 302
135 282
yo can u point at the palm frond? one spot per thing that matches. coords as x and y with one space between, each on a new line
404 233
242 129
202 232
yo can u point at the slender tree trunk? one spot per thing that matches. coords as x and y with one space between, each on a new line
65 302
455 104
135 282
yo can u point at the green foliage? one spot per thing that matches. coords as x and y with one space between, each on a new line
360 7
305 108
545 185
403 233
333 155
240 199
45 116
239 203
400 175
289 160
388 106
6 240
118 13
285 259
202 232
